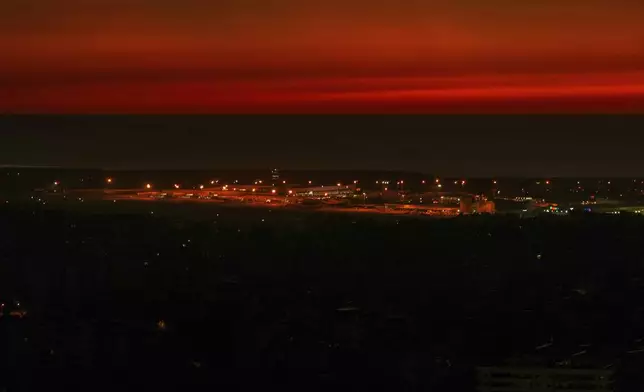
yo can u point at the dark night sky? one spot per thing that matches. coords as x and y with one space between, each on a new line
332 56
446 145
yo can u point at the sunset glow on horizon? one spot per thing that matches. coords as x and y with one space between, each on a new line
247 56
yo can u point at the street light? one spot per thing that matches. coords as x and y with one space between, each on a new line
148 186
109 180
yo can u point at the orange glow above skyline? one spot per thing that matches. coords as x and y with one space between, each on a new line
247 56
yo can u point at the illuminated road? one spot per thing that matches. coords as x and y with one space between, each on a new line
290 203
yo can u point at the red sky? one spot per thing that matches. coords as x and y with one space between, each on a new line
338 56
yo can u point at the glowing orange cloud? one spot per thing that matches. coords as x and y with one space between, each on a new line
340 56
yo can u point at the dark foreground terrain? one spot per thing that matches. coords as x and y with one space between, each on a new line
258 300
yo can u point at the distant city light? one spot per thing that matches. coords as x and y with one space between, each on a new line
423 181
440 185
273 191
284 182
200 186
290 192
56 183
148 186
339 184
109 180
177 186
310 182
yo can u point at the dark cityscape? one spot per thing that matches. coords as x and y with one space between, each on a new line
300 279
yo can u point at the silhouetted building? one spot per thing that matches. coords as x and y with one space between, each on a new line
497 379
